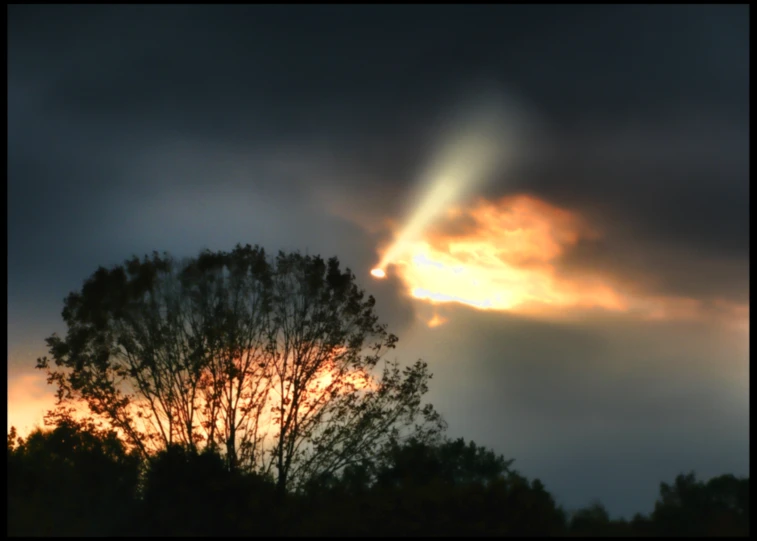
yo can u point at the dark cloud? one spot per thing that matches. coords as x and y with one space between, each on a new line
670 200
679 180
140 128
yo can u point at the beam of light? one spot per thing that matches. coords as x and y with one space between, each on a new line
478 143
505 256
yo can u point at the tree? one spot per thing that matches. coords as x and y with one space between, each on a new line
449 488
451 462
274 361
591 520
691 507
193 493
72 480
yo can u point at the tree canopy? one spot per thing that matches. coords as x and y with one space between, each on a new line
275 361
76 479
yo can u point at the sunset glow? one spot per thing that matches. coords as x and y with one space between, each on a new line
505 255
480 140
32 398
502 256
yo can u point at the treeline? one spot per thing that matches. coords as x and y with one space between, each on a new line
252 398
78 480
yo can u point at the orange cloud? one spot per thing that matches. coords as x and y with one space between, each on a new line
504 255
436 321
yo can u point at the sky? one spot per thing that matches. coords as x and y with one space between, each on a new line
558 197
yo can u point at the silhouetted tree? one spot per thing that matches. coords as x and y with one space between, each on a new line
272 361
194 493
691 507
77 479
450 488
592 520
72 480
641 526
451 462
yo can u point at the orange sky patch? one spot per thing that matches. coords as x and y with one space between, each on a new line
436 321
29 398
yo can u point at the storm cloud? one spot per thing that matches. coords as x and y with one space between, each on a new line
178 128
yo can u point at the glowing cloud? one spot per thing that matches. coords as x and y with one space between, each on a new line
504 256
479 141
500 256
436 321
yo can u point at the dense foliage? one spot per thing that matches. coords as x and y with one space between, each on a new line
275 362
79 480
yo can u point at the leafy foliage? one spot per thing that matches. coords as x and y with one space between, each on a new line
274 361
449 488
191 493
78 480
690 507
73 480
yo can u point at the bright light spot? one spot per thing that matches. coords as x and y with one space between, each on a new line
507 255
436 321
501 256
481 140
